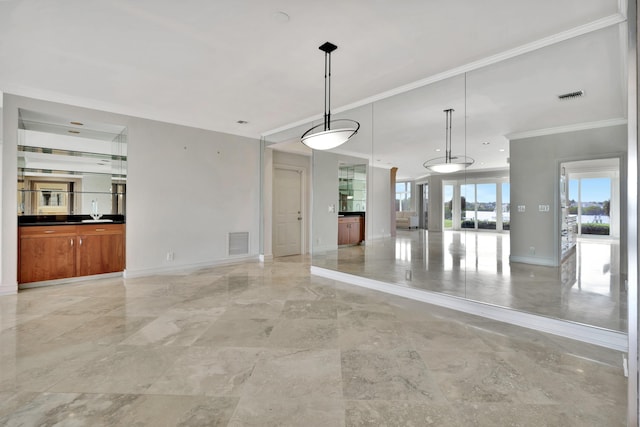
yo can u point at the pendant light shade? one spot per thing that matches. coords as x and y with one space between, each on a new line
448 163
330 133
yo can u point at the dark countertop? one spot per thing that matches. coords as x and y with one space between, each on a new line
351 213
48 220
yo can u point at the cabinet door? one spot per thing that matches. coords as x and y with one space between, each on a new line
46 258
354 232
343 233
100 252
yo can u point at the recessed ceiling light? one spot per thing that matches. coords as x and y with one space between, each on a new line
73 131
437 149
502 149
77 123
242 122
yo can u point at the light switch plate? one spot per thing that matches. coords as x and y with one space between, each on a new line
520 208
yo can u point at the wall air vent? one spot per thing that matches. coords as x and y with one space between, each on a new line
239 243
571 95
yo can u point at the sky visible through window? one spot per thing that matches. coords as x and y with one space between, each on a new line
485 193
593 189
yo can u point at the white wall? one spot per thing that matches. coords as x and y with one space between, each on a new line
378 218
186 189
534 176
324 227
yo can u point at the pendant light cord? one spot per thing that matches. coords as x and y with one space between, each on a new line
327 91
447 149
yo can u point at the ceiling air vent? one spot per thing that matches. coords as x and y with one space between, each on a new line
571 95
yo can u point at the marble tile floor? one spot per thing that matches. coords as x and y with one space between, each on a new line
588 288
269 345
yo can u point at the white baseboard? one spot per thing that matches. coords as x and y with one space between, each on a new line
319 250
8 289
379 237
590 334
545 262
185 268
265 258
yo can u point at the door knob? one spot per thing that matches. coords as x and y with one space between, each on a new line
299 218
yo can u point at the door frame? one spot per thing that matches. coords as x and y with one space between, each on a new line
305 212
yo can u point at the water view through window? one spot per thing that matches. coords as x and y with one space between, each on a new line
590 200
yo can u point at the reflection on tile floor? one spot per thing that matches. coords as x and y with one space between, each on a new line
587 288
269 345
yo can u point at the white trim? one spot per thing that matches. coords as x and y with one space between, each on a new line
8 289
564 129
186 268
265 258
596 25
546 262
590 334
69 280
631 284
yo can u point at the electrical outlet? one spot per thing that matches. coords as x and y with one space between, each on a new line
170 256
521 208
532 250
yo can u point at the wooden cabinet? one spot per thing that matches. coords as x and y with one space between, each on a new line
46 253
350 230
100 249
62 251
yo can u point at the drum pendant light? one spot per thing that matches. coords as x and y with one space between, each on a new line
330 133
448 163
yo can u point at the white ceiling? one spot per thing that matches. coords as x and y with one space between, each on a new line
209 64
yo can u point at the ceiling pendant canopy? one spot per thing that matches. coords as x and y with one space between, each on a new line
330 133
448 163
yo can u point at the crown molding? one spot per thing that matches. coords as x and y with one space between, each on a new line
564 129
608 21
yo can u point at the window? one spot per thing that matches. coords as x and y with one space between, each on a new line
477 206
403 196
506 205
590 201
486 206
468 206
447 195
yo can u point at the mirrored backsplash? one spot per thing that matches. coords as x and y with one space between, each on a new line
70 166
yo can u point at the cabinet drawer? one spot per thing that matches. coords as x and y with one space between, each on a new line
349 219
100 229
44 231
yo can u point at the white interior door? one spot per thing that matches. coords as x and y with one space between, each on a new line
287 212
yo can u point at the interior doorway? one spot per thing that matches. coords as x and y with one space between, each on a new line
287 212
